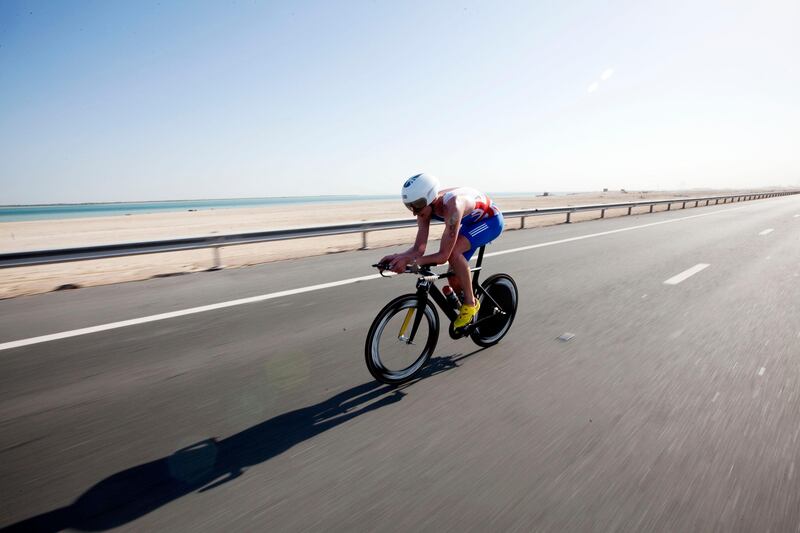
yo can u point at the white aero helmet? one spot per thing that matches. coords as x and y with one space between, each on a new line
419 191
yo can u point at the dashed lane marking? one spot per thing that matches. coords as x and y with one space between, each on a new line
689 272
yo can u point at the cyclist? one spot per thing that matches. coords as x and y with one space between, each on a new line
471 220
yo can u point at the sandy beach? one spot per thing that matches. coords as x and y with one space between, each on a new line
44 234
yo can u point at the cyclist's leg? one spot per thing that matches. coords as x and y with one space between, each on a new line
477 234
460 266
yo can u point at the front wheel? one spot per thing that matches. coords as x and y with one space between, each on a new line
499 297
389 356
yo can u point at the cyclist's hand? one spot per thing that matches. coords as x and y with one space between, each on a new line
388 259
399 263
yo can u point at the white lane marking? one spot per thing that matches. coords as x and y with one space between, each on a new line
261 298
761 371
610 232
767 231
674 280
174 314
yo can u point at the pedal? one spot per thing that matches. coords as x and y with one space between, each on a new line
459 333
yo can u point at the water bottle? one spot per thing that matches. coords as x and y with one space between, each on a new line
451 296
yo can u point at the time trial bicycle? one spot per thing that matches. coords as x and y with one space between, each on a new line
404 334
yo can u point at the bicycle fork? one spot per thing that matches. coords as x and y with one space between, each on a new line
423 287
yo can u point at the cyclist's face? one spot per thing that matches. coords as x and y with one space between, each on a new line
417 206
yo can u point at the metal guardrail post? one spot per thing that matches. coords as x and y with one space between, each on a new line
683 206
217 259
568 216
651 207
363 240
669 207
602 213
522 224
629 210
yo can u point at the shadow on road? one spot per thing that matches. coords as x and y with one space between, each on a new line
132 493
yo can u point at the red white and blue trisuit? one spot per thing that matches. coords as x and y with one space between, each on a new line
480 226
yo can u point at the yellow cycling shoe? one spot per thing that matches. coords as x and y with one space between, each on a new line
465 314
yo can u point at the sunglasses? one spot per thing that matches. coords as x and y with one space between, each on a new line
417 205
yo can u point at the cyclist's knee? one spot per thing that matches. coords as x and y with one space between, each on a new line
456 258
462 245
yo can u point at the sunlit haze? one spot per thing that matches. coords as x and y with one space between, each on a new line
112 101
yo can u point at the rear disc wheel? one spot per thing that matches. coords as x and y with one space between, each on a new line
498 311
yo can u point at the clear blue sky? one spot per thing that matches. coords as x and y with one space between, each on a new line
112 100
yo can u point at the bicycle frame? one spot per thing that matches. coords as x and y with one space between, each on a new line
426 288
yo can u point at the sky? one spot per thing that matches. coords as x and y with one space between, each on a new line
122 101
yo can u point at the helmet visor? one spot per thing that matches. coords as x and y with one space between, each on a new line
417 205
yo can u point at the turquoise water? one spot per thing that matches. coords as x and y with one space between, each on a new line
57 211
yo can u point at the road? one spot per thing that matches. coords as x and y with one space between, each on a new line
674 407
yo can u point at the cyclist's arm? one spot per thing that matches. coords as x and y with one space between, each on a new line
421 242
453 212
399 261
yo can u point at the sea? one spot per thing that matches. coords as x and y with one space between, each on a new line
14 213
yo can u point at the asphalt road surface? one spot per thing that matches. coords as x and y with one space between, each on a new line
676 406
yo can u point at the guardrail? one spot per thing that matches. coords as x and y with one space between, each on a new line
43 257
